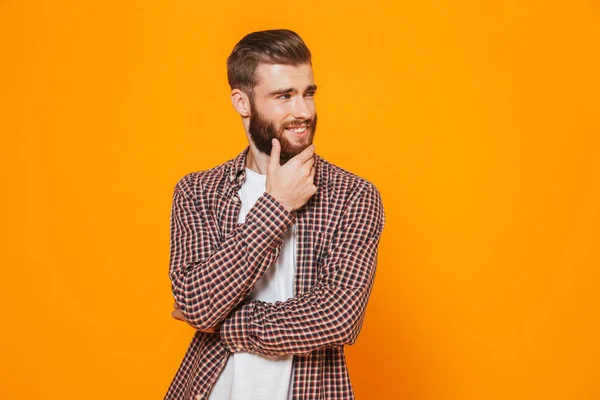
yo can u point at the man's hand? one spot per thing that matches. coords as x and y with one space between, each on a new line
291 184
177 314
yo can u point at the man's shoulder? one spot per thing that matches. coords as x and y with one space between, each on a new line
204 180
349 190
339 180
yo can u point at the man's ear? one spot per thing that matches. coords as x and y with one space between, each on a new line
240 102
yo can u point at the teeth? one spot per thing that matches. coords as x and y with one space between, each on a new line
298 130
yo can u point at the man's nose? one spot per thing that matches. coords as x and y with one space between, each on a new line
301 109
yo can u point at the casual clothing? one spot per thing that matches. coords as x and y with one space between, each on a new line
216 262
249 376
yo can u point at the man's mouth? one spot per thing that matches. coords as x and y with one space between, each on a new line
298 129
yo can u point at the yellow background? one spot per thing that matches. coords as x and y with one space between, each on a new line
478 121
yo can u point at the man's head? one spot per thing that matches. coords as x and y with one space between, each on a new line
271 78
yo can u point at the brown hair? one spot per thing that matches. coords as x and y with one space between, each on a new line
276 46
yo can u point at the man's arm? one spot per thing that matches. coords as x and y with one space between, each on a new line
332 312
208 283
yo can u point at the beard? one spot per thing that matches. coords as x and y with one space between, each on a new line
262 131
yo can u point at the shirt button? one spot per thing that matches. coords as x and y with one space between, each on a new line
235 199
198 397
239 347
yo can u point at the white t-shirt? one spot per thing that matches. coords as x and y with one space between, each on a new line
248 376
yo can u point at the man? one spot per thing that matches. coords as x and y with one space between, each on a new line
273 253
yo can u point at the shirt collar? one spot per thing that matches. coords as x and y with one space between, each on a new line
238 166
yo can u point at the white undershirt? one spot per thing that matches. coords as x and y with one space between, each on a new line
248 376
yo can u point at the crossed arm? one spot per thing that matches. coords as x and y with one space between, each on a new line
209 286
208 281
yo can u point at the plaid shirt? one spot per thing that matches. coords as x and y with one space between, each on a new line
216 261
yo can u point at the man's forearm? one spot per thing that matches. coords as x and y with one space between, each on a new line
331 312
328 315
206 290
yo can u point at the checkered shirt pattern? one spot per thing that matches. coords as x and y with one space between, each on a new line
215 263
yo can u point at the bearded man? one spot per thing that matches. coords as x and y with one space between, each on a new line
273 253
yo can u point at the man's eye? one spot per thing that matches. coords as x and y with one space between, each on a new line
311 93
284 96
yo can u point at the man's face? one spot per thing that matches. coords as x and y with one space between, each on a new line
283 108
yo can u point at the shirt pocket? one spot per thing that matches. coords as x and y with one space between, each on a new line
316 248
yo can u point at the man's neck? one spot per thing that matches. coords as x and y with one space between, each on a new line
257 161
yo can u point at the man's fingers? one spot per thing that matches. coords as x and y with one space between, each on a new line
176 306
309 164
275 154
306 154
177 314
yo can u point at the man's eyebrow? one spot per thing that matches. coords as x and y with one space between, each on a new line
291 90
282 91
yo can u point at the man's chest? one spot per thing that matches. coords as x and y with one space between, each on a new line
311 237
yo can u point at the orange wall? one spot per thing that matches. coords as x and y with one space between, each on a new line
478 121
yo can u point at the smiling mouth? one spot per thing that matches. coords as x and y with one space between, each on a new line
297 129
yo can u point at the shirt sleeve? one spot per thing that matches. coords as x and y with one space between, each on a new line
207 279
332 312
